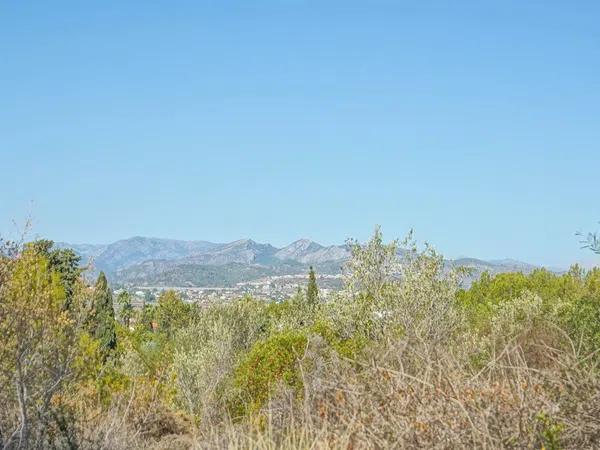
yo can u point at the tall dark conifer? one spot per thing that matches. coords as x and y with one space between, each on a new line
312 290
103 317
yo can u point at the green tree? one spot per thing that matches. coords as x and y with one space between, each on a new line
312 290
144 320
37 351
63 261
171 312
103 316
372 266
126 308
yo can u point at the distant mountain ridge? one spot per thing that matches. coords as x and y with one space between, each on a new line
136 250
126 252
151 261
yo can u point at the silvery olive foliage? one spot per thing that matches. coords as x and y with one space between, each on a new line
398 287
372 269
591 241
207 350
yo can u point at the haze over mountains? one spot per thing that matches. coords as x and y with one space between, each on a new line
167 262
128 252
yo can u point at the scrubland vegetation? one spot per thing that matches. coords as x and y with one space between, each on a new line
402 357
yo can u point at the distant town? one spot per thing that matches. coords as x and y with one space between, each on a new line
273 288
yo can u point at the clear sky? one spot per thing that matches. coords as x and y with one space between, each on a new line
475 123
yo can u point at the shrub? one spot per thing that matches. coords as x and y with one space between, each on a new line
207 351
267 364
348 347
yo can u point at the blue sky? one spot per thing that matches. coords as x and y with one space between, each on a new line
475 123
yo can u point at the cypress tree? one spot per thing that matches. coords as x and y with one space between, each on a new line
103 317
312 290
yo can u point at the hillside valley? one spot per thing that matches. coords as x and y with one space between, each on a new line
143 261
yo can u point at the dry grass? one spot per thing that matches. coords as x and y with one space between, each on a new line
398 400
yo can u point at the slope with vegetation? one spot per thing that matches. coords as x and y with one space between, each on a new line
143 261
409 361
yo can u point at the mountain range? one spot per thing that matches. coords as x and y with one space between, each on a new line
166 262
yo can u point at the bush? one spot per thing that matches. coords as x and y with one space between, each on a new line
348 347
269 363
207 351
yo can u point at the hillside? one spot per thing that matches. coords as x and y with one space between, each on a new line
145 261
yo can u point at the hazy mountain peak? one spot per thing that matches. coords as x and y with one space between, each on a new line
242 242
304 242
306 251
298 250
145 256
304 245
